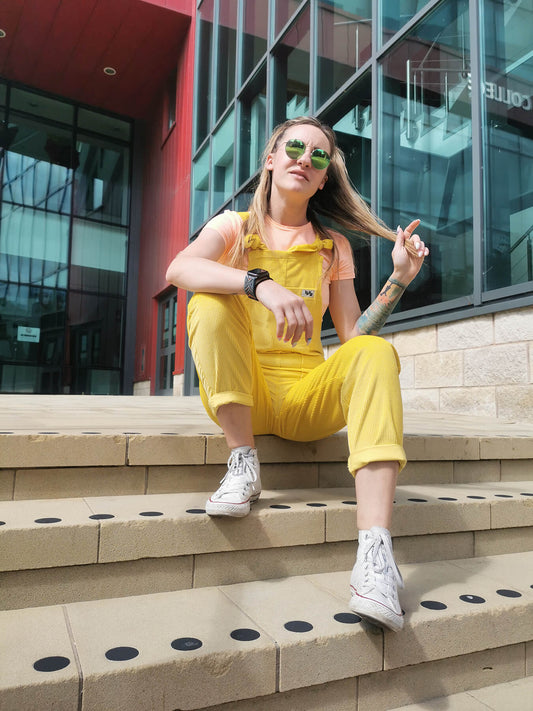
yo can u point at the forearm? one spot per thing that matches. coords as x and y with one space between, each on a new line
205 275
373 319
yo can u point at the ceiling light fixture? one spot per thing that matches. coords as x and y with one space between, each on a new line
110 71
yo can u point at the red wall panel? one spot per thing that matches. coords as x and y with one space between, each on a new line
165 213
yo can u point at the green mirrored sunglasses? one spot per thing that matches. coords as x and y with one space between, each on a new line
295 148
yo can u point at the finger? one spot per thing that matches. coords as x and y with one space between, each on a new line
411 227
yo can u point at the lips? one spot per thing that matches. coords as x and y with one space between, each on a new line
299 174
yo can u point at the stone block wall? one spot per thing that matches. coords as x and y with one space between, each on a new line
481 366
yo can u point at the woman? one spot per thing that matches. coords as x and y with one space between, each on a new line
262 281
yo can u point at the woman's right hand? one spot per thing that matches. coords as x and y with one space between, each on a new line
293 318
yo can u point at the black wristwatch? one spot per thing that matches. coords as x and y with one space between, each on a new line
253 278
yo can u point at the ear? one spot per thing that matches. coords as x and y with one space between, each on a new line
269 164
321 186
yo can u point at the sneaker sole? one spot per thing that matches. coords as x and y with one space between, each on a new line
213 508
375 613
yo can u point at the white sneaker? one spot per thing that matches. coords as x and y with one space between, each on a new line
375 579
239 488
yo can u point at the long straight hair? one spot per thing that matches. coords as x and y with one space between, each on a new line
338 201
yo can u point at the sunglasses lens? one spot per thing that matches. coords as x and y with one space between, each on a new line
294 148
320 159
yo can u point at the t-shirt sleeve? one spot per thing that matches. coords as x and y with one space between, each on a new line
228 225
344 267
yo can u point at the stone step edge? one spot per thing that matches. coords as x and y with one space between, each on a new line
515 695
68 532
55 449
275 635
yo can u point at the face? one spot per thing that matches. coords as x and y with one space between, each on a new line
299 174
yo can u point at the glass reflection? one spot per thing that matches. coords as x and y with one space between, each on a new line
426 167
226 48
254 38
285 9
344 42
200 188
253 127
292 71
507 89
222 170
396 13
203 72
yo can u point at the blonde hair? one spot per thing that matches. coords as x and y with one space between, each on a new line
338 200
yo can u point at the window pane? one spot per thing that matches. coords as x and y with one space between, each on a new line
98 257
203 76
42 106
285 9
508 87
292 72
426 167
106 125
95 332
344 42
223 162
253 127
38 165
351 119
226 54
200 178
254 40
33 247
3 93
32 327
395 13
102 180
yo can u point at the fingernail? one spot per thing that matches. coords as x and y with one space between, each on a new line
417 245
398 229
421 253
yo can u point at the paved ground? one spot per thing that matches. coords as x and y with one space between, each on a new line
102 413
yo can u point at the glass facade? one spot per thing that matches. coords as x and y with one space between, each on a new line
64 219
422 139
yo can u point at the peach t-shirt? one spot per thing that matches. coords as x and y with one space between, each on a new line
281 238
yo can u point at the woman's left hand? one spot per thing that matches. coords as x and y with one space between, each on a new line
407 262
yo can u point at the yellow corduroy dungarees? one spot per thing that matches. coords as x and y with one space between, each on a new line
293 392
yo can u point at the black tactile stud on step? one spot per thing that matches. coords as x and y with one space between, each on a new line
121 654
526 493
279 506
347 618
7 433
51 664
169 433
195 511
91 433
298 626
447 498
508 593
47 520
471 496
48 433
419 501
350 503
245 635
101 517
151 513
473 599
504 496
433 605
2 523
186 644
131 433
316 505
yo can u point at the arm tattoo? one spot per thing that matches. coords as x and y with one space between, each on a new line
373 319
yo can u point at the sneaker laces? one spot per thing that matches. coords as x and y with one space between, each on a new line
240 475
378 562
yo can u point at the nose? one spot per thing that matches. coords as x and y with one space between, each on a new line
305 158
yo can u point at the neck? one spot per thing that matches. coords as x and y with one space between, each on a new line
289 213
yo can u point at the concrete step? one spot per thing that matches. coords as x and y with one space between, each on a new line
63 550
48 464
510 696
468 623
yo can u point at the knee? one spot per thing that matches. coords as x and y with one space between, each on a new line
376 350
